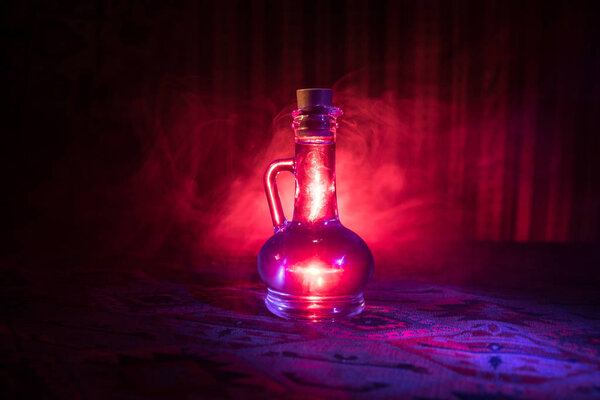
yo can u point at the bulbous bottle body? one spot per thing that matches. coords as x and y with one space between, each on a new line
313 266
315 272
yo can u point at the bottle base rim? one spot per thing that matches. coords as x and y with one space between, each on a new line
314 308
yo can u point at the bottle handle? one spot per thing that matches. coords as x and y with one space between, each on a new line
286 164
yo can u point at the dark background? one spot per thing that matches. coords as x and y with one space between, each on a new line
139 130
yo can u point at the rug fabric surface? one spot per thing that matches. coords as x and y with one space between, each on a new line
130 336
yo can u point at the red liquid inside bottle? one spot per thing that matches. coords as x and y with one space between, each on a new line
313 266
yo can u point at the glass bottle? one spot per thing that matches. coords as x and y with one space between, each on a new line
313 266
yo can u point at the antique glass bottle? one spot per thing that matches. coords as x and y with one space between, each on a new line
313 266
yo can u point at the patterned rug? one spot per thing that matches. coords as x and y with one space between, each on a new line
129 335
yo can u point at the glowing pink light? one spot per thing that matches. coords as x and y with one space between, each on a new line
319 188
315 275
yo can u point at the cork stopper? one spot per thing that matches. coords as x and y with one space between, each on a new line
314 97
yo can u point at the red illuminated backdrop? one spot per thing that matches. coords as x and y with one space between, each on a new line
147 128
134 140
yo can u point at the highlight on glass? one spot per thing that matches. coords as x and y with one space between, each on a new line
314 267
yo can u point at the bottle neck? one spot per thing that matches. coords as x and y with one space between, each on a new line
315 199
